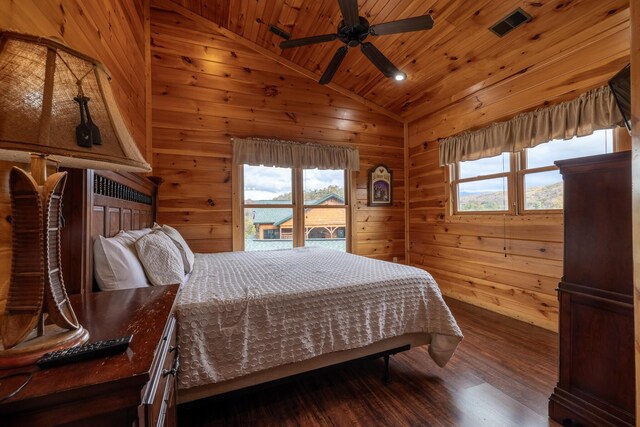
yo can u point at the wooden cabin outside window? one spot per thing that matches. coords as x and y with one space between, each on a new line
280 208
524 182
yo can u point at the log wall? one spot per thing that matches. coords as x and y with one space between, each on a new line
466 254
208 88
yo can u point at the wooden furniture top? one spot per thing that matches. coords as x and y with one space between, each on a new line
105 315
590 164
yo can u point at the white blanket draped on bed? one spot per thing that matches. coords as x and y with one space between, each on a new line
243 312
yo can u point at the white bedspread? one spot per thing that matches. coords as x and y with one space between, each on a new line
243 312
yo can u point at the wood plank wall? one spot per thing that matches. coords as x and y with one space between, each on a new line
466 254
207 88
110 31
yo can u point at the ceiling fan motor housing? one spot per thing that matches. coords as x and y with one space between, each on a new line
353 36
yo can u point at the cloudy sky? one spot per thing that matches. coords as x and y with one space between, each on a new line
265 183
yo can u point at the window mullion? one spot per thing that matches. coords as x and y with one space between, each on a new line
540 169
298 208
482 177
237 196
518 159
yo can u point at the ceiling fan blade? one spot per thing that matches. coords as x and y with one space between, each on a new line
333 65
417 23
349 10
379 60
308 40
279 32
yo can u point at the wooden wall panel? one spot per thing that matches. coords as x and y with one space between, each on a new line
504 263
207 89
110 31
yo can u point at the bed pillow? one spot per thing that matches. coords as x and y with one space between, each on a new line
130 237
187 255
161 258
115 264
136 234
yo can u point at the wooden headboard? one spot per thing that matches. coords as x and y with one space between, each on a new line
101 203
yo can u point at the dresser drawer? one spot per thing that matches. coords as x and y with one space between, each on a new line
159 394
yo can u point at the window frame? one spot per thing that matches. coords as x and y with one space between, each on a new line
520 177
455 181
297 205
515 182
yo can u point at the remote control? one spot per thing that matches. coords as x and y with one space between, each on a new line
88 351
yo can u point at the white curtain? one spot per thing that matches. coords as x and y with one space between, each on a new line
290 154
582 116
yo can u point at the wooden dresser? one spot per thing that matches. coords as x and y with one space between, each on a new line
133 388
596 385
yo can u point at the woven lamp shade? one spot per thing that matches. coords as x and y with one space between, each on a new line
38 113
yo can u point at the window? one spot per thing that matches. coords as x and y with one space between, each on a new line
285 208
483 185
325 213
521 182
540 181
268 202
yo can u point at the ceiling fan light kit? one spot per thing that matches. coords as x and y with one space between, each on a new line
353 30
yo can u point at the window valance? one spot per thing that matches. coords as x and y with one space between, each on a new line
582 116
287 154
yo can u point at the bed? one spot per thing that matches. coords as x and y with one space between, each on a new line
250 318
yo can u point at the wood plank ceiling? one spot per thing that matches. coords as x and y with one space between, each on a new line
458 57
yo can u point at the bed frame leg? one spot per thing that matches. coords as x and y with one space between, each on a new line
385 378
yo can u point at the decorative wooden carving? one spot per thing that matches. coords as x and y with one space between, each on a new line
110 188
57 303
26 289
37 286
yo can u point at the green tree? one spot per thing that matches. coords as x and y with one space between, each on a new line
249 226
316 194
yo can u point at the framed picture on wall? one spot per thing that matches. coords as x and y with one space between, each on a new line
380 188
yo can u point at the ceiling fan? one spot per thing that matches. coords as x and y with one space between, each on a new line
353 30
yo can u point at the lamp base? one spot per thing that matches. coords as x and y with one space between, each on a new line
34 347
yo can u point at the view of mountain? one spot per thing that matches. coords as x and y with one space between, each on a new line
315 194
543 197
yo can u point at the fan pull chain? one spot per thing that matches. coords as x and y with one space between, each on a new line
504 234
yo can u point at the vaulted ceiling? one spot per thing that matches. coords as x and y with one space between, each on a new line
454 60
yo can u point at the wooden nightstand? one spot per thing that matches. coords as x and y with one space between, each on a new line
133 388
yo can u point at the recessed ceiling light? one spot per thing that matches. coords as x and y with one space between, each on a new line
400 76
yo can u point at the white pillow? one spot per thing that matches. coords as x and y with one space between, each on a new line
130 237
115 264
187 255
161 258
136 234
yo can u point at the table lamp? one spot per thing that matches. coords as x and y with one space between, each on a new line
56 106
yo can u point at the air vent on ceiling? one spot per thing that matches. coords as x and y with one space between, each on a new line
513 20
279 32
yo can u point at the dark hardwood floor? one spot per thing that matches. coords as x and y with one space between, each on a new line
501 375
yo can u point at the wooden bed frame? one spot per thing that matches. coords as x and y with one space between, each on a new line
99 203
